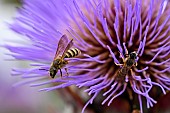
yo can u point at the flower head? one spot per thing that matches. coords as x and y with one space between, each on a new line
106 32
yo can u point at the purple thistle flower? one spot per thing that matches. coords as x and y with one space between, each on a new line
101 30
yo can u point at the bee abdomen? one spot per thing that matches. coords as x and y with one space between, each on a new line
72 53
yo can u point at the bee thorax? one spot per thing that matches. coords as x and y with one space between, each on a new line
130 62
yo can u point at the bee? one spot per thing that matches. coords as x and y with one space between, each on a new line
129 61
63 51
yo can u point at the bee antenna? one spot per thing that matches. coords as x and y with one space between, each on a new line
44 69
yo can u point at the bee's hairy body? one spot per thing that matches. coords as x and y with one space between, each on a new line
126 67
128 63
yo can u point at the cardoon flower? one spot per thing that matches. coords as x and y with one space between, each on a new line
102 30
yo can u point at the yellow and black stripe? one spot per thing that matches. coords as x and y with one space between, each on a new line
72 53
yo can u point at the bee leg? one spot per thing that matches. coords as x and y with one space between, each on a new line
126 51
60 72
132 73
126 55
136 64
122 57
66 71
118 64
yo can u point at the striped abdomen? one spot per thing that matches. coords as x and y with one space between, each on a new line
122 73
72 53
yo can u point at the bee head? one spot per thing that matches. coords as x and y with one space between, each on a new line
53 72
133 55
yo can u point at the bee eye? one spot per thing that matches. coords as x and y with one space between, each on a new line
56 62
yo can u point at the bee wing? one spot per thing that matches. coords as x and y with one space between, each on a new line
61 46
67 48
